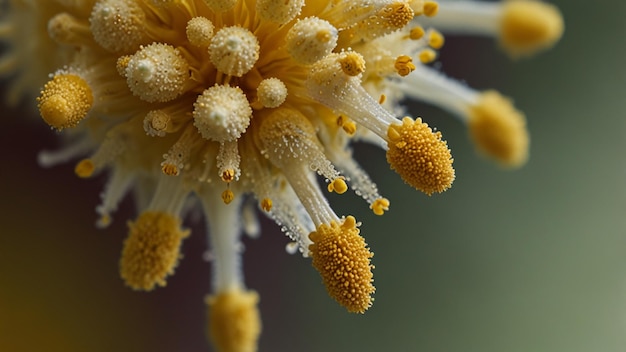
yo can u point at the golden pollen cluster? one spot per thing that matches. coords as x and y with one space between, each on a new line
235 323
65 100
498 129
341 256
152 250
419 155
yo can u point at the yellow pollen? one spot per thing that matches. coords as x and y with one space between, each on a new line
382 99
266 204
431 8
427 56
122 64
499 130
380 206
342 258
349 127
234 320
170 169
435 39
228 175
419 156
65 101
151 250
397 15
84 168
352 64
528 26
404 65
416 33
228 196
338 185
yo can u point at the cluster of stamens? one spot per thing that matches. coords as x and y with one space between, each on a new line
229 98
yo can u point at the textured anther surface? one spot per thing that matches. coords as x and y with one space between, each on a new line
419 156
342 258
151 250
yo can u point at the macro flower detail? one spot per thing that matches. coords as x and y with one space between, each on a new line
204 104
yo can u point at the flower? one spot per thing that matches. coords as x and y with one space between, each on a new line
216 101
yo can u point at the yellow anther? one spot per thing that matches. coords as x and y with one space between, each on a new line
499 130
266 204
352 64
404 65
342 258
417 33
397 15
435 39
170 169
382 99
419 156
228 175
338 185
65 101
431 8
122 64
151 250
234 320
427 56
349 127
281 11
84 168
228 196
528 26
341 120
380 206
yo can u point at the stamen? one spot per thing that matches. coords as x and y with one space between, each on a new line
342 258
311 39
271 92
234 320
65 100
234 50
222 113
199 31
118 25
419 156
157 73
152 250
178 155
66 29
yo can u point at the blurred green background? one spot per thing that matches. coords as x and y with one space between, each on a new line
530 260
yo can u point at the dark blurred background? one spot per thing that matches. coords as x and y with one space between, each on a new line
515 261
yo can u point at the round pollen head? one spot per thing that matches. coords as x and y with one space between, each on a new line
65 101
234 50
419 156
499 130
200 31
157 73
222 113
271 92
342 258
311 39
528 26
234 320
118 25
151 250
